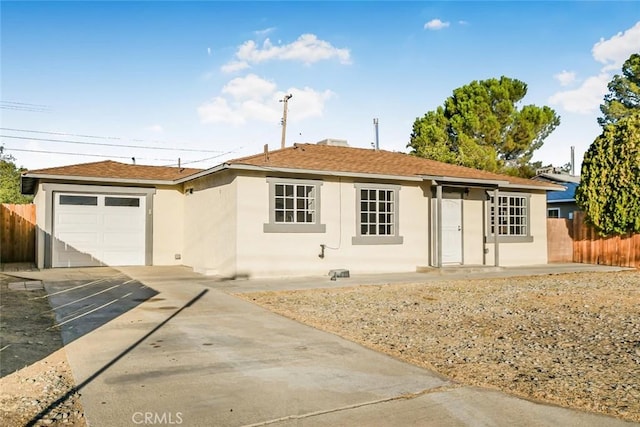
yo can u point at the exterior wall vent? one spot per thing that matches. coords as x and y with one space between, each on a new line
334 142
340 273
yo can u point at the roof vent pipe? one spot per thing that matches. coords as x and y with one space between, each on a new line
573 161
375 125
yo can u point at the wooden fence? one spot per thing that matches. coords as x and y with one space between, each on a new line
17 233
559 241
566 236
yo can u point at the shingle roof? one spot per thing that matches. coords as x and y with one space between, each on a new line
115 170
358 160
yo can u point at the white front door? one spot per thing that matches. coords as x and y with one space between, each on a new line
98 229
451 229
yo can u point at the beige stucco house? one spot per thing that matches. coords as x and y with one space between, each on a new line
302 210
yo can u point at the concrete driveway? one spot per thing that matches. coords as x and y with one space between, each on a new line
194 355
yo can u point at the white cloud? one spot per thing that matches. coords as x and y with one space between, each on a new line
253 98
307 49
218 110
249 87
262 33
155 128
565 77
233 66
586 99
614 51
463 22
435 24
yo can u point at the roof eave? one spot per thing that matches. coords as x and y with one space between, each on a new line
562 201
550 187
99 179
324 172
200 174
458 180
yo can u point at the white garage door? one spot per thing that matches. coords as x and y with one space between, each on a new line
98 229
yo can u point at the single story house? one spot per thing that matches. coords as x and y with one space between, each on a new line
560 203
301 210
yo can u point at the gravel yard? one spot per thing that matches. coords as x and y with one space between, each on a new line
569 339
32 391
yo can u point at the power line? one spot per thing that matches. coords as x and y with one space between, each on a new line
25 103
85 136
80 154
208 158
24 106
60 133
66 141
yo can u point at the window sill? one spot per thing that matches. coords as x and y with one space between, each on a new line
377 240
294 228
509 239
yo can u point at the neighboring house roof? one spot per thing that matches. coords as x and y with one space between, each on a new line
108 171
301 158
328 158
569 182
567 195
557 178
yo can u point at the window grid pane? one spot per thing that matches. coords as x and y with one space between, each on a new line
295 203
376 212
512 216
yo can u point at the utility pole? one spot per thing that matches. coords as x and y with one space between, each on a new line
285 100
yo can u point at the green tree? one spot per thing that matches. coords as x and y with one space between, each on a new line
480 126
10 181
624 93
609 190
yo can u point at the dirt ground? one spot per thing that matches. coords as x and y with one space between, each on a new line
36 384
25 319
571 339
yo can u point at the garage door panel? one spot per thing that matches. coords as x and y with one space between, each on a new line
75 219
89 233
75 238
121 222
71 257
123 257
119 240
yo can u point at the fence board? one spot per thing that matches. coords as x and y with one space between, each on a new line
590 248
559 241
17 233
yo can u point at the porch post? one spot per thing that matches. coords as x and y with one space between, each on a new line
439 224
496 229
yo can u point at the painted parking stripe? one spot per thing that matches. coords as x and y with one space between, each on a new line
75 287
82 299
82 315
79 310
89 312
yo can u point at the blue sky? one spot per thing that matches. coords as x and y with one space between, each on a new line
187 76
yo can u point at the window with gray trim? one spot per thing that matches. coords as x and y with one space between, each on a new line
295 203
377 214
512 217
294 206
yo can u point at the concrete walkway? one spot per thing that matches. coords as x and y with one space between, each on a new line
221 361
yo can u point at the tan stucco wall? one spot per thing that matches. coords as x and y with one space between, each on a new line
39 201
210 220
168 225
263 254
530 253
